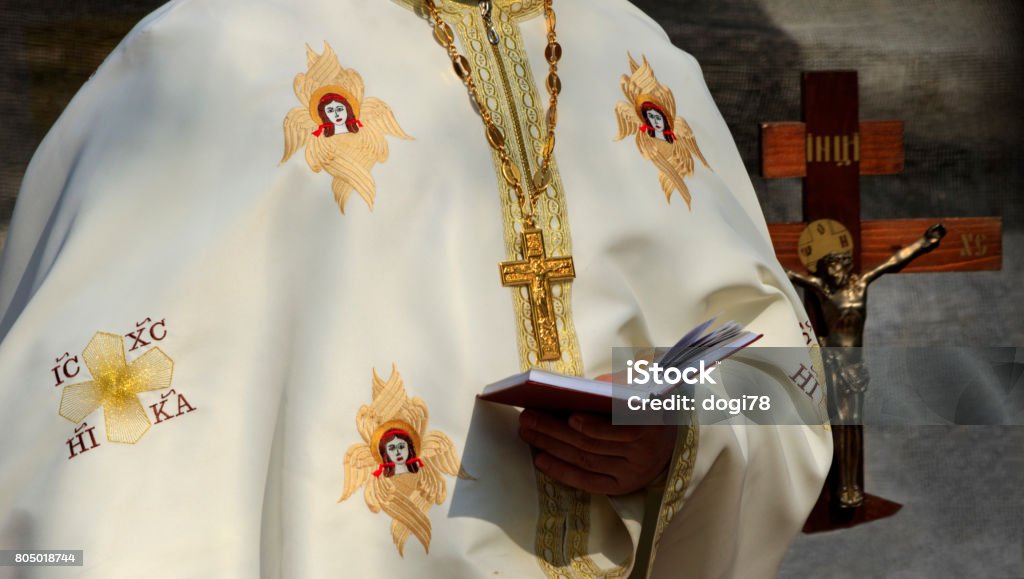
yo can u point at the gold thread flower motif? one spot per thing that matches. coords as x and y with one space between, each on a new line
399 463
665 139
115 386
343 133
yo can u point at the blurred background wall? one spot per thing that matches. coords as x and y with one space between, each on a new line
951 70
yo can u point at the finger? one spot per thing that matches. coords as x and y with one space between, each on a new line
559 428
619 377
601 428
576 477
595 463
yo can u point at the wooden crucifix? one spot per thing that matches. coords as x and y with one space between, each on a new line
830 150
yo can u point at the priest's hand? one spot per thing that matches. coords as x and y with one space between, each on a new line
590 453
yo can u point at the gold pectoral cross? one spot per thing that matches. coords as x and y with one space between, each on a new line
536 271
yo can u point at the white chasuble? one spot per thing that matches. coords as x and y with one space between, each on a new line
251 290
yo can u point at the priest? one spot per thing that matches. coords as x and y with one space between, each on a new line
268 255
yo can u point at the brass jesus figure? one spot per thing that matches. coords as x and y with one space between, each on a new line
843 295
537 271
843 298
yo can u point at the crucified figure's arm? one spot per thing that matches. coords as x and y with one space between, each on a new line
807 281
929 241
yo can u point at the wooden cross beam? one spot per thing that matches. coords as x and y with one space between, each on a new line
831 149
786 148
976 245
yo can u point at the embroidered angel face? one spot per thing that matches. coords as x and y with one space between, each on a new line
336 115
400 451
656 119
397 449
655 126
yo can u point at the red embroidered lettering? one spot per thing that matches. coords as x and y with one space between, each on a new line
808 330
183 403
139 341
158 409
66 370
77 443
147 328
803 377
163 331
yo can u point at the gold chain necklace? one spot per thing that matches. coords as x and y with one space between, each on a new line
535 271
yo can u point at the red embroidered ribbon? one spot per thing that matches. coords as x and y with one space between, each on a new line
646 127
393 431
320 129
383 465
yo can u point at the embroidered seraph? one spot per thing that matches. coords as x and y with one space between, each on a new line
346 143
672 147
407 496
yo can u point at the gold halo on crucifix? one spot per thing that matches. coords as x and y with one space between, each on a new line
314 100
820 238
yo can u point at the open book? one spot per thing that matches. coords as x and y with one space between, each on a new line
700 348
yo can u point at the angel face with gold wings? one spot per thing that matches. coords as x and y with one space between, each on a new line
343 133
400 467
336 115
649 112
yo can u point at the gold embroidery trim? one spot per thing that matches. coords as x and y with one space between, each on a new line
818 365
505 79
678 480
519 9
513 100
508 90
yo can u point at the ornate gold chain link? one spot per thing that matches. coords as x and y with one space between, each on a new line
552 53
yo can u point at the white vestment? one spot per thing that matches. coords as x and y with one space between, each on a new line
157 210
